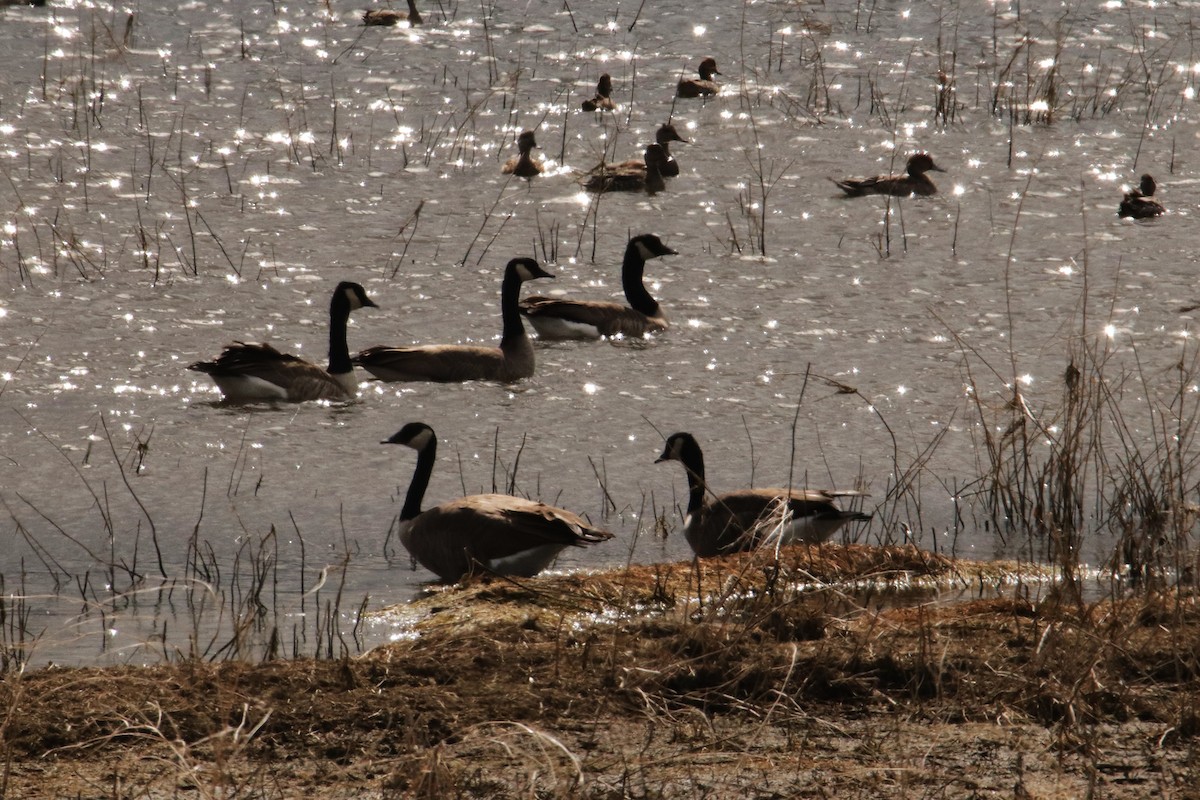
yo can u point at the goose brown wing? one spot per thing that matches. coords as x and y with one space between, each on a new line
490 528
745 507
241 357
439 363
301 380
608 318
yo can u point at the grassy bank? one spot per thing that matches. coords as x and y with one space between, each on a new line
744 678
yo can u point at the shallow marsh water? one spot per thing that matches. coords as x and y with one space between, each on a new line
176 180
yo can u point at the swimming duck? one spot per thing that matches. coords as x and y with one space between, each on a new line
450 363
495 533
668 167
664 136
1139 203
523 166
386 16
914 182
603 100
247 372
590 319
749 518
631 176
691 87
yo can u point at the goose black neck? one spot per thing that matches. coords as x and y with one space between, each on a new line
339 348
510 310
632 270
693 463
426 457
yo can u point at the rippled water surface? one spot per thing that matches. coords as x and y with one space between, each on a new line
173 180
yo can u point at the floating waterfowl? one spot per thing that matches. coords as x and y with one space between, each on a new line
914 181
389 17
553 318
750 518
1139 203
523 166
247 372
631 176
664 136
667 166
603 99
494 533
705 86
450 363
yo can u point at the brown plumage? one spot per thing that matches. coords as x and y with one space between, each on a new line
691 87
590 319
603 99
914 181
631 176
1139 203
667 166
493 533
246 372
750 518
450 363
523 166
386 16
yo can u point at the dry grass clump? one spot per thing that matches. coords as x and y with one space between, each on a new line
554 688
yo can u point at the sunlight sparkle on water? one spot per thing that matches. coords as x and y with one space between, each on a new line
699 30
590 388
1066 269
1110 331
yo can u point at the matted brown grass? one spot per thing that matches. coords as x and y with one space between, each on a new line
728 681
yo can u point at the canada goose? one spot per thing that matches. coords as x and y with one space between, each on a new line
523 166
603 99
741 520
1139 203
915 181
247 373
591 319
448 363
690 87
631 176
386 16
498 533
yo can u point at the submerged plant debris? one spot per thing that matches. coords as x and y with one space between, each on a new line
636 684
